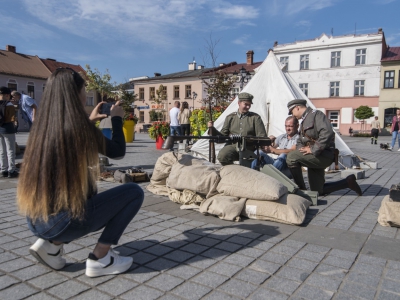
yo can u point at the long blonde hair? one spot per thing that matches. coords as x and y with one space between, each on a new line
59 171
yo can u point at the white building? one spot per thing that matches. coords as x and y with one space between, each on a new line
337 73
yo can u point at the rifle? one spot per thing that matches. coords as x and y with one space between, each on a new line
243 143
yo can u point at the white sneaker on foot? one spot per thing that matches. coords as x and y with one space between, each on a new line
398 149
110 264
48 254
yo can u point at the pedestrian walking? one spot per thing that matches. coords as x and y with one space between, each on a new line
375 130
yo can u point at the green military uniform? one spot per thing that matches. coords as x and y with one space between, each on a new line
316 132
243 124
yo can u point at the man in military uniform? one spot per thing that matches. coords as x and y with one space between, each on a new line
242 122
315 150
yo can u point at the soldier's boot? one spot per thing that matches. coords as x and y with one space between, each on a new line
376 142
297 175
372 140
349 182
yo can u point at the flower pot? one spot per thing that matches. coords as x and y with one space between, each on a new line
107 132
129 130
159 142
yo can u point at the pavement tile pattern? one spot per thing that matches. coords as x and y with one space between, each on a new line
341 252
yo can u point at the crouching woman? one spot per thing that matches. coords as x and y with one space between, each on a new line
57 187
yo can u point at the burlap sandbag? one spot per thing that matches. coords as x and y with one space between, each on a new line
225 207
163 167
195 174
242 182
185 197
289 209
389 213
161 171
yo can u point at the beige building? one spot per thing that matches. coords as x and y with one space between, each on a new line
389 98
183 86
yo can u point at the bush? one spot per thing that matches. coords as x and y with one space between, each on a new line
360 134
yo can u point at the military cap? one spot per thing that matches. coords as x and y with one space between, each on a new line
294 103
5 91
246 97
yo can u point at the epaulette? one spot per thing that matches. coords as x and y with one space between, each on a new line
232 114
250 114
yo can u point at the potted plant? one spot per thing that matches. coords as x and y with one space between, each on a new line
130 120
158 132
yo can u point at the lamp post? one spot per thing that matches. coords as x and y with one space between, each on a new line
194 96
242 77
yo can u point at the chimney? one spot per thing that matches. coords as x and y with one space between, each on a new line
10 48
250 54
192 66
380 30
275 43
157 74
221 64
200 67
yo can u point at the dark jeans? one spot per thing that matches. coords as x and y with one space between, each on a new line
112 210
185 128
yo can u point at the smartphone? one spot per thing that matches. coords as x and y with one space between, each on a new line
106 108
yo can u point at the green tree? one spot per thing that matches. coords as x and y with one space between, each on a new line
218 89
97 81
127 98
363 112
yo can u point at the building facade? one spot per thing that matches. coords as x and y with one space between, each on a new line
389 98
183 86
338 74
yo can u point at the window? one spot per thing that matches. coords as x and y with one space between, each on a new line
165 92
152 93
234 91
304 62
359 87
304 88
89 101
284 60
335 59
176 91
188 91
334 89
141 93
389 79
141 116
12 85
31 90
360 56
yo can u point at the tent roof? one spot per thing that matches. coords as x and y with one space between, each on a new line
272 90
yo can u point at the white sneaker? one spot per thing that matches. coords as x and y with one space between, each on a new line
110 264
398 149
48 254
390 148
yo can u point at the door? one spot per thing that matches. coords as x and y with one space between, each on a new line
334 118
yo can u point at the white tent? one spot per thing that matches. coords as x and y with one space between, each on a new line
272 90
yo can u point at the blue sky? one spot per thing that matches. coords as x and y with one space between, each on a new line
134 38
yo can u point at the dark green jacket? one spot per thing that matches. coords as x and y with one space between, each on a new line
317 131
247 124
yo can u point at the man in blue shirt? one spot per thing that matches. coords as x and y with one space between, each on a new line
281 146
27 105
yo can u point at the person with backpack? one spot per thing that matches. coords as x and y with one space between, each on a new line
7 134
27 106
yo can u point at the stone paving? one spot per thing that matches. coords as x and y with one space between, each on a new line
341 252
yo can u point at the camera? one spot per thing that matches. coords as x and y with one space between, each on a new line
106 108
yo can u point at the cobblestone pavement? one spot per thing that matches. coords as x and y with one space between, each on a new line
340 253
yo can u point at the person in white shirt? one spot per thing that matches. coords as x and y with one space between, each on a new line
174 126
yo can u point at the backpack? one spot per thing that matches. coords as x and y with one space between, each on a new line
3 105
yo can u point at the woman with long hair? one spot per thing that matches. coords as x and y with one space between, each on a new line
57 187
183 117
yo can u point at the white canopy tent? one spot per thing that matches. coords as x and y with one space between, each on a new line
272 90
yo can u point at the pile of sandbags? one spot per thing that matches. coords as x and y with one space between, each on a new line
389 212
227 192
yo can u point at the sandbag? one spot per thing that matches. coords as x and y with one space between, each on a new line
242 182
289 209
185 197
389 212
195 174
163 167
225 207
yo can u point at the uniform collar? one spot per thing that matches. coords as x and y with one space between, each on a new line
241 115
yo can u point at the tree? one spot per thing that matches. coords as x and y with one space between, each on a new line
96 81
127 98
363 112
218 89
